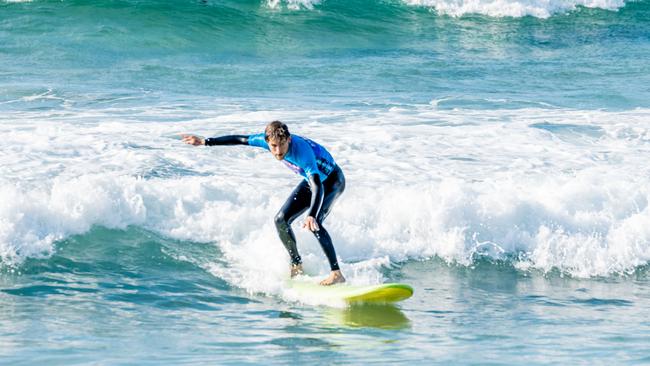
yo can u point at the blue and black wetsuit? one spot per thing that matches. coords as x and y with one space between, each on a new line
323 183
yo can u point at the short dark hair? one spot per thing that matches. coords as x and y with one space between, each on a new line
276 130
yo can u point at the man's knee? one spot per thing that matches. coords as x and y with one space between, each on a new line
280 220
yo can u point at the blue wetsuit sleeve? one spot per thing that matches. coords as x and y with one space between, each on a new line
258 140
317 197
227 140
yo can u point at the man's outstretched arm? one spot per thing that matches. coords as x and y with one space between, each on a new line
221 140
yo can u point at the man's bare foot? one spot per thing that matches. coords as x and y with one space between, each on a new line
296 269
334 278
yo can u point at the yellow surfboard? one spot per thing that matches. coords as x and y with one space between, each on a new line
373 294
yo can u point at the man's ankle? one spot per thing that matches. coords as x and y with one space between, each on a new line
296 269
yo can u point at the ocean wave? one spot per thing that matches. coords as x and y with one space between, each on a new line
293 4
492 8
389 9
584 226
514 8
543 189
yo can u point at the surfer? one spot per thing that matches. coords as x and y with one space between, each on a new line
323 183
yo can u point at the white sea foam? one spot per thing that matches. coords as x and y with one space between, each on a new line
513 8
494 8
546 189
292 4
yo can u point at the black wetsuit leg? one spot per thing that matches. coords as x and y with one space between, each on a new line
297 203
334 186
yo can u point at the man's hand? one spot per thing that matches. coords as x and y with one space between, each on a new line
311 224
193 140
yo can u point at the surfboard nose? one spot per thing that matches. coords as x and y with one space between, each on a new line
387 293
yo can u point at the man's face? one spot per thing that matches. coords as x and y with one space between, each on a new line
279 148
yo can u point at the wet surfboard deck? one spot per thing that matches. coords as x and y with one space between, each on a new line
351 294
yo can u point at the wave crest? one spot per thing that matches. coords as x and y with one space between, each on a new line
513 8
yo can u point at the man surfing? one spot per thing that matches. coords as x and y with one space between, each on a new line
323 183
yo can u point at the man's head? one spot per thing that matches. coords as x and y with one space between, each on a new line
278 137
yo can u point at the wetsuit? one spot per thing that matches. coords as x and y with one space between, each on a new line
323 183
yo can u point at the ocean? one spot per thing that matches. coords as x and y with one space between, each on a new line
496 155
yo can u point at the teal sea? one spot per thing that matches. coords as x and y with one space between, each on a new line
496 155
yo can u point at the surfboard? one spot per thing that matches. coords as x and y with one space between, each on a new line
373 294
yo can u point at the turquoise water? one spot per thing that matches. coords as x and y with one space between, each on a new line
124 297
496 156
337 53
